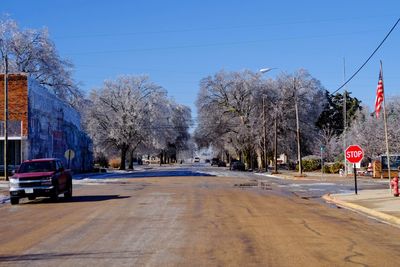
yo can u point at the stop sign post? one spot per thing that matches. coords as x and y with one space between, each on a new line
354 154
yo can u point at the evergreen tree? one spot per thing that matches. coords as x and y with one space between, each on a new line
331 117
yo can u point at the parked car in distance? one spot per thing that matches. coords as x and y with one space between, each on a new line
196 159
40 177
221 164
237 165
214 161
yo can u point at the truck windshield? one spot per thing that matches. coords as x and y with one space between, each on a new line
39 166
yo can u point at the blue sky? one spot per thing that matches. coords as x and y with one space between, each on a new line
177 43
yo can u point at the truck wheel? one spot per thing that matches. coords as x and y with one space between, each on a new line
14 200
31 197
68 193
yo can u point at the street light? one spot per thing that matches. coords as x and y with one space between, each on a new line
264 70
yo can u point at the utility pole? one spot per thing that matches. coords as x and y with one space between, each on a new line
297 128
345 129
265 136
275 145
5 116
344 118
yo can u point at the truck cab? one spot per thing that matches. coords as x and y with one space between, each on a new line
40 177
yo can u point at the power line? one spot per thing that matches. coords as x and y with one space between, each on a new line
208 45
373 53
216 28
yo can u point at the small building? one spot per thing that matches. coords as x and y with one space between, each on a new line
41 125
380 167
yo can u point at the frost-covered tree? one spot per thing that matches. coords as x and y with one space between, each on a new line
31 51
331 143
368 131
120 116
170 132
180 121
309 94
226 105
231 114
132 114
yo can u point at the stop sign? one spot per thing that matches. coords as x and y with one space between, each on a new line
354 154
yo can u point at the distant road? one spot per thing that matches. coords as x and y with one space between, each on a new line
190 221
313 186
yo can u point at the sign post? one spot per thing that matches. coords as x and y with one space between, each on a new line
69 155
354 154
355 178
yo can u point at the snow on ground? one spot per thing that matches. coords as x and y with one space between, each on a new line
4 198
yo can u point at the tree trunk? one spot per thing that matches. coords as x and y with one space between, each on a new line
161 157
131 160
123 158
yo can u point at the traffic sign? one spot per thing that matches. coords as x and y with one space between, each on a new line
69 154
354 154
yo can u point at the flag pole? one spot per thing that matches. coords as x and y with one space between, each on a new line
386 131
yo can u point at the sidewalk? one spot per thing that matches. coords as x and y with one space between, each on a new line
317 176
4 195
378 203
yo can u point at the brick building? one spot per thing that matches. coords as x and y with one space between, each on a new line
41 125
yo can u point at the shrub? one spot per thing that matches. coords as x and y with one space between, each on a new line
310 163
115 163
335 167
327 168
101 160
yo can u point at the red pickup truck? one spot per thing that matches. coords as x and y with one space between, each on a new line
40 177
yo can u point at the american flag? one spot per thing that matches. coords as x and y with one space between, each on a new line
379 94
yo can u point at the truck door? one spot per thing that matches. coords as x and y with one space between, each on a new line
62 177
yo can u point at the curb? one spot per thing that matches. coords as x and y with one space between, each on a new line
380 216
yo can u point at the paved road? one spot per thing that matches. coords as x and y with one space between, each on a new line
190 221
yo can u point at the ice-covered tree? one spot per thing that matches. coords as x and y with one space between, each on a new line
231 112
33 52
170 130
132 113
368 131
227 112
120 116
309 94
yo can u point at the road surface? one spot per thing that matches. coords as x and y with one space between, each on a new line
190 221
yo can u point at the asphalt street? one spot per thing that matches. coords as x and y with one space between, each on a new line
214 217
